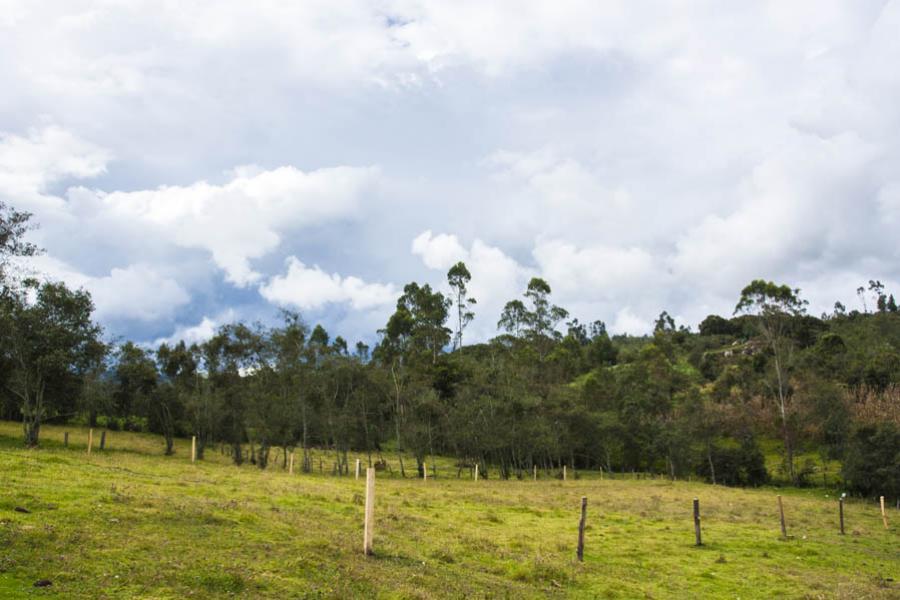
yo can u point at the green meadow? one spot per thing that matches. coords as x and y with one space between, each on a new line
128 522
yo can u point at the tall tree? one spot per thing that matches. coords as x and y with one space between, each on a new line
774 307
458 277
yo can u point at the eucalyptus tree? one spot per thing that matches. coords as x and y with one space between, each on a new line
459 277
774 307
513 318
412 340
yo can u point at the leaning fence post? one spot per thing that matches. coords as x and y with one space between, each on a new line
369 525
90 440
883 514
781 511
103 440
193 448
697 521
581 529
841 512
291 468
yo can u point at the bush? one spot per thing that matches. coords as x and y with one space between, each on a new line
872 464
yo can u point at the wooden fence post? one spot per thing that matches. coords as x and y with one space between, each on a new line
90 440
841 510
697 521
781 511
883 514
291 468
193 448
476 471
369 526
66 440
425 470
103 440
564 472
601 473
581 529
357 468
534 469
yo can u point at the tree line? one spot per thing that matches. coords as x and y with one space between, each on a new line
547 391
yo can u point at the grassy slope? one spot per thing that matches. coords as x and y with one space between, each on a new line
131 523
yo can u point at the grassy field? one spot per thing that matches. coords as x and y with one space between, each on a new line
131 523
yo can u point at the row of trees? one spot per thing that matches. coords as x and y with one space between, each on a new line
547 391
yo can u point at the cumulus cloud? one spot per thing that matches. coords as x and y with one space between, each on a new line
199 332
311 288
238 221
137 292
439 251
30 163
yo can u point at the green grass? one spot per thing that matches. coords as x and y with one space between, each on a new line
131 523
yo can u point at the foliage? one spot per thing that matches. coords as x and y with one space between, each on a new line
872 465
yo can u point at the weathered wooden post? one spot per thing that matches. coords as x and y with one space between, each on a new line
883 514
841 512
369 526
425 470
601 473
581 524
564 472
291 467
103 440
357 468
66 440
697 521
534 469
193 448
90 440
476 471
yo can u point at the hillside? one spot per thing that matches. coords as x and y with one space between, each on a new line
130 523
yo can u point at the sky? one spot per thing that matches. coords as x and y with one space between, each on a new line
193 164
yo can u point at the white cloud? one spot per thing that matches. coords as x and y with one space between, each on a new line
626 322
595 272
198 333
241 220
46 155
312 288
440 251
137 292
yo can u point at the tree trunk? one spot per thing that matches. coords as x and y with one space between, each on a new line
788 446
712 467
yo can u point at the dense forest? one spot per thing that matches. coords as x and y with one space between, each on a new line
547 391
